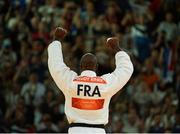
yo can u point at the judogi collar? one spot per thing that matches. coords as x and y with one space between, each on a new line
88 73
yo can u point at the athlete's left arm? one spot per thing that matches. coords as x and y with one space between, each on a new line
122 73
124 67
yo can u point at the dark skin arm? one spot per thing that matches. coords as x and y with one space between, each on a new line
59 33
113 44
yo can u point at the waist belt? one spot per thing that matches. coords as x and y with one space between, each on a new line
87 125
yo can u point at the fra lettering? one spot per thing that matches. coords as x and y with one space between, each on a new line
85 90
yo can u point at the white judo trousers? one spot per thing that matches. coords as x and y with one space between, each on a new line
87 96
86 130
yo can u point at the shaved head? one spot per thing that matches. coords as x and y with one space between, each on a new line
88 62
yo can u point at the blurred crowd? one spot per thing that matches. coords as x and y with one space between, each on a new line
149 30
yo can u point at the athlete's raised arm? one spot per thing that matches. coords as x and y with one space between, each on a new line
124 67
58 69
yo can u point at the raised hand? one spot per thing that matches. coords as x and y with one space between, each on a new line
59 33
113 44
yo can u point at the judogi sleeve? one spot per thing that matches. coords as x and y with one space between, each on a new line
61 74
122 73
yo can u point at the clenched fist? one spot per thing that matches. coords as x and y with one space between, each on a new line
113 44
59 33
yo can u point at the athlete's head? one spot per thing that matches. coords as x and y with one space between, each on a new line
88 62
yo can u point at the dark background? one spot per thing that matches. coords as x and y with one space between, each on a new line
148 30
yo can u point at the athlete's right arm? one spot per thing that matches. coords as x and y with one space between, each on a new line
61 74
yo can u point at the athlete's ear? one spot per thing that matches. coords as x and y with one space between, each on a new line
97 65
81 68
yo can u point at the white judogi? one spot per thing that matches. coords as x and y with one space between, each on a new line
87 96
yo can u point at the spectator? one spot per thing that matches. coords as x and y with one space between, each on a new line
22 70
176 127
7 53
13 96
141 97
157 125
46 125
131 123
48 102
142 41
33 91
118 127
149 75
139 6
169 27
